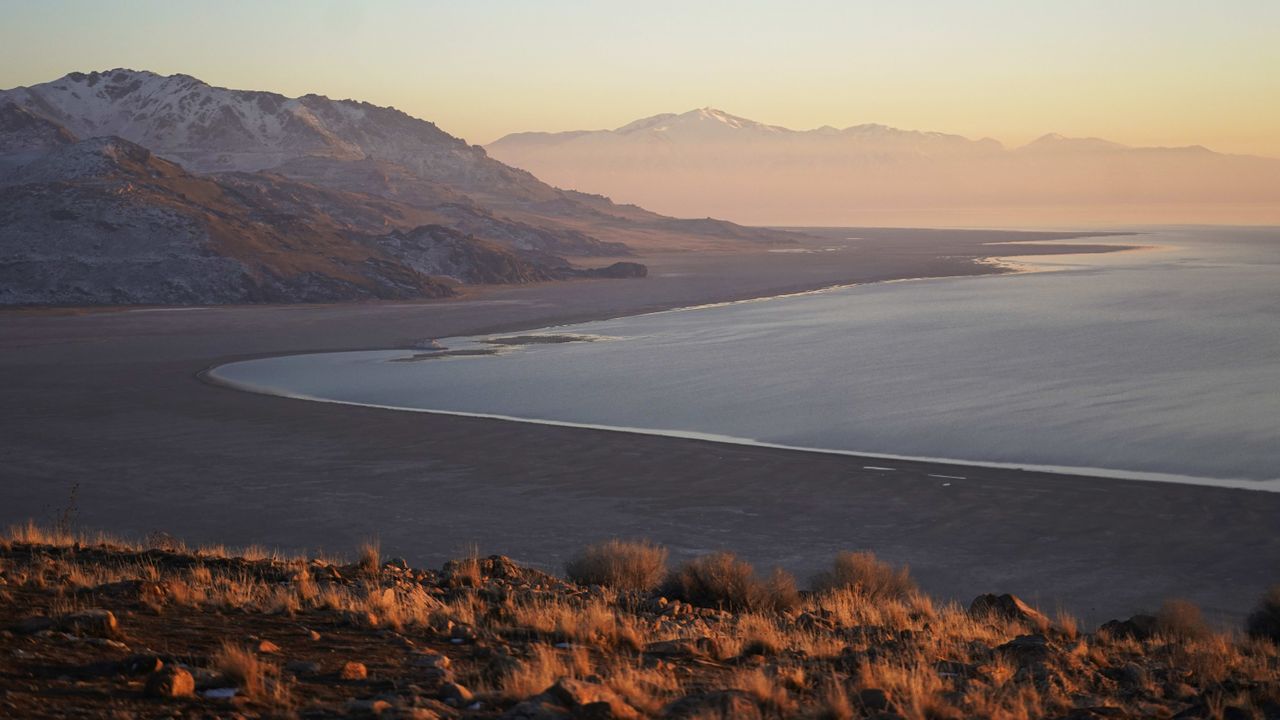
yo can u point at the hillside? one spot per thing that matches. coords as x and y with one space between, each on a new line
710 162
96 627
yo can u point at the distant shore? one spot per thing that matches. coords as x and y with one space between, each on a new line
104 411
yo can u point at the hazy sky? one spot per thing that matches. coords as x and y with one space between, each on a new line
1170 72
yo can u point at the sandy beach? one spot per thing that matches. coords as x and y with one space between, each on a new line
106 407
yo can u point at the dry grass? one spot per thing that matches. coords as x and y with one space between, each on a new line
259 680
621 565
864 573
791 655
542 669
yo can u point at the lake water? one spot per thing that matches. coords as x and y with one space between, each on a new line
1160 364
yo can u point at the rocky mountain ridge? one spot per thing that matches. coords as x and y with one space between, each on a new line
129 187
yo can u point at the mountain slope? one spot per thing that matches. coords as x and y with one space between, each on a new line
105 221
341 144
707 161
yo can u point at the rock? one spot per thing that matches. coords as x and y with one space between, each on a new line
302 667
430 659
593 698
170 682
140 665
367 707
353 671
313 634
719 704
455 695
685 647
1007 607
1027 649
97 623
1134 675
537 708
874 699
266 647
1137 627
462 634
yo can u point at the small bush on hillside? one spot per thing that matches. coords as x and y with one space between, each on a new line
721 580
621 565
1264 621
868 575
1182 620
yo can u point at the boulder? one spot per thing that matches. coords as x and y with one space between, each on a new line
721 703
591 699
96 623
455 695
1007 607
1137 627
170 682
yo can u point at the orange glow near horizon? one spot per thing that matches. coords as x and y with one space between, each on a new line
1144 72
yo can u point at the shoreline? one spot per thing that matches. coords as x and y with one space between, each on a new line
1007 268
107 404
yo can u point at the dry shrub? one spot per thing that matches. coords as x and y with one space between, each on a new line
722 580
1181 620
867 574
621 565
370 562
1264 621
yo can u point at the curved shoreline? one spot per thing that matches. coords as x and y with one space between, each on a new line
1273 486
1269 485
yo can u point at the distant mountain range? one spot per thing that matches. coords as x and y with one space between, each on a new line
710 162
128 187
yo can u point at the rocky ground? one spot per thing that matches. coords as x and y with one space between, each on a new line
103 628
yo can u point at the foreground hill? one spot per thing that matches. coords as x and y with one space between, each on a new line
733 167
100 628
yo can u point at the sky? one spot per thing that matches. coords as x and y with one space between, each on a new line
1140 72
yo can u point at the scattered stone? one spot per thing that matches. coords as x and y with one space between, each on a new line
368 707
170 682
97 623
266 647
1137 627
140 665
721 704
591 698
353 671
455 695
302 667
1027 649
1008 607
431 659
313 635
874 699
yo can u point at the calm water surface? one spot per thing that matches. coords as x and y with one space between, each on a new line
1163 361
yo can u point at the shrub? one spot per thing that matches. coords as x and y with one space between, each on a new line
722 580
621 565
863 572
1181 620
1264 621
